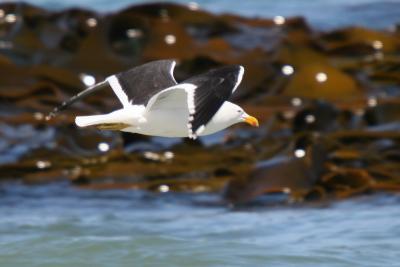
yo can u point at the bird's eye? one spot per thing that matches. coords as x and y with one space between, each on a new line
239 111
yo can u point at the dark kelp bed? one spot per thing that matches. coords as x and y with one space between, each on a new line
328 103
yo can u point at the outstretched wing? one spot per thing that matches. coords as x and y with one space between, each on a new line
100 86
177 97
203 95
213 88
135 86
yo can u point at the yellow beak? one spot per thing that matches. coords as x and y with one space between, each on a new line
251 120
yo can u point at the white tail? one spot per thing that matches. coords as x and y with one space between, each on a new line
84 121
125 116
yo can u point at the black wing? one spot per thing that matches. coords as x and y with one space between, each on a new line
100 86
213 88
141 83
135 86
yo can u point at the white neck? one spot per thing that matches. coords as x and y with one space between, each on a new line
225 117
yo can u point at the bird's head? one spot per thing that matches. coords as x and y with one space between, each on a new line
244 117
236 114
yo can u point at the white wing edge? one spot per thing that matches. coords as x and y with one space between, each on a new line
171 71
119 92
239 79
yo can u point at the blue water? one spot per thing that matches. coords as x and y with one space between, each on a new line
322 14
57 225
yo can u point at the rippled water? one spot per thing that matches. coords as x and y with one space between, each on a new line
323 14
56 225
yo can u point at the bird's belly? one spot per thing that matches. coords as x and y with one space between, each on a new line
167 123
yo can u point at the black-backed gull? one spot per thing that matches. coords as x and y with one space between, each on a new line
153 103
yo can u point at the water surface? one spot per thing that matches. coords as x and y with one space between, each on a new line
57 225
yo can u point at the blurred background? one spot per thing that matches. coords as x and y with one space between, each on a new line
316 184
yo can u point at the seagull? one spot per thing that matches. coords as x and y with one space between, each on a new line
154 104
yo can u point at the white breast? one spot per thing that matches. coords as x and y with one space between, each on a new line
173 122
167 123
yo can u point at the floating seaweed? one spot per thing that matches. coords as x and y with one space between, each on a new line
328 103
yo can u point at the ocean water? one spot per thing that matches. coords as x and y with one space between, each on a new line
57 225
322 14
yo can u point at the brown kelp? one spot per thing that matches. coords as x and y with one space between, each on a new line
328 102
